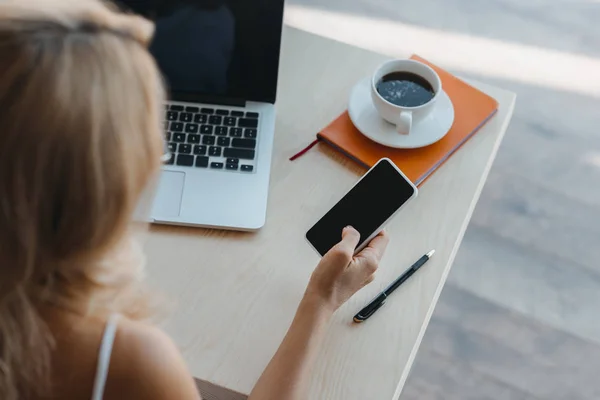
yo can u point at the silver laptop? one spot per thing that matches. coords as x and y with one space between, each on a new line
220 59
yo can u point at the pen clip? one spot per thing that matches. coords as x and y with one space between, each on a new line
369 310
377 307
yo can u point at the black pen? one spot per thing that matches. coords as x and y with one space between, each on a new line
379 301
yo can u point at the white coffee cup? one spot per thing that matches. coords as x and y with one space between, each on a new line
404 117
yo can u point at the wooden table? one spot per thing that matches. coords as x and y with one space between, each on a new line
236 293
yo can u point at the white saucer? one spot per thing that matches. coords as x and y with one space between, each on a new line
428 131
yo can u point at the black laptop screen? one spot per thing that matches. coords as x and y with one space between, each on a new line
211 50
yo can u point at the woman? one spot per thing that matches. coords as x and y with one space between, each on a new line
80 141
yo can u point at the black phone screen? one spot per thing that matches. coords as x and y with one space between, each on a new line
380 193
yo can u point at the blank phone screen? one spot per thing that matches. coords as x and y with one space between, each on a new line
380 193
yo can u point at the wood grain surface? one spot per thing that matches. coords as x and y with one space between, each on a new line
236 293
552 150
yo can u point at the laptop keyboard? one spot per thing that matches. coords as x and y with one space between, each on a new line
211 138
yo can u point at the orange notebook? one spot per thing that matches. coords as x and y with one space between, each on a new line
472 109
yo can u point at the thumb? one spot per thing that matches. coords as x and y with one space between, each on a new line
350 239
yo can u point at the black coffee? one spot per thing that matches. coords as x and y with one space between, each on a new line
405 89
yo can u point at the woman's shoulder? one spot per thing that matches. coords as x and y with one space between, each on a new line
145 363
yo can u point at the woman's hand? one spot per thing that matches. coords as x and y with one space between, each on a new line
340 274
337 277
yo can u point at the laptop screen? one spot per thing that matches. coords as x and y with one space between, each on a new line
216 50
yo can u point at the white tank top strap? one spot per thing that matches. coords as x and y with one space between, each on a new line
104 357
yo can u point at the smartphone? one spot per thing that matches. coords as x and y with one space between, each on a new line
367 207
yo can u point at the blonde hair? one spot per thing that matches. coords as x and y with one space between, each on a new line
80 140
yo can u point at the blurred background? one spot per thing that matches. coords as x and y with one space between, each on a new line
519 316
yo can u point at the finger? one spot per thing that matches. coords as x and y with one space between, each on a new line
343 252
377 246
350 239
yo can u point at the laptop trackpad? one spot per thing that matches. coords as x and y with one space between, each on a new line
168 196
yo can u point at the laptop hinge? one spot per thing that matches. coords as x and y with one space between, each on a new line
216 100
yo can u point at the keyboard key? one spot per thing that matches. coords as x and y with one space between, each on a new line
168 136
192 109
171 160
250 133
230 121
247 168
235 132
222 112
215 120
193 139
209 140
216 165
202 162
172 147
238 153
179 137
200 150
252 114
231 167
233 161
207 111
167 125
191 128
221 130
248 123
172 116
185 117
223 141
185 160
176 108
214 151
200 118
245 143
206 129
237 113
177 126
185 149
